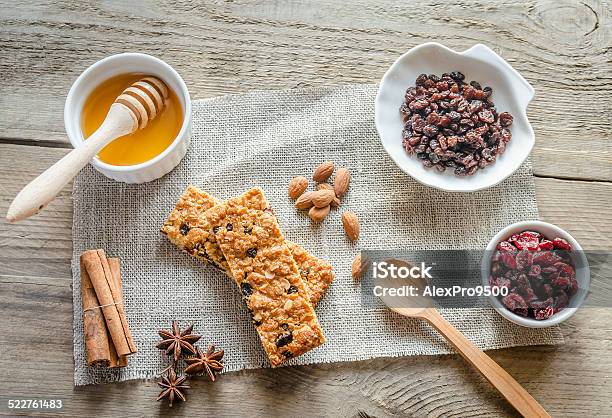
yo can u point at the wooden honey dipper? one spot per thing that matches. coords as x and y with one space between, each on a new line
132 110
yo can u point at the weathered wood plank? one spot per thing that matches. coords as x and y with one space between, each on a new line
36 323
36 336
561 47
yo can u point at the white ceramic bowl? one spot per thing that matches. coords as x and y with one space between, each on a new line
581 266
511 93
121 64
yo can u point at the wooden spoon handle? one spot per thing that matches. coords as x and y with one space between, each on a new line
518 397
44 188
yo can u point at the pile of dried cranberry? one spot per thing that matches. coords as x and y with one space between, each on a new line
538 273
451 124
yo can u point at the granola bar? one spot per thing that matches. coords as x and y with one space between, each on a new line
264 269
190 231
316 273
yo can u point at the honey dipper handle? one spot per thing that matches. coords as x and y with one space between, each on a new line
518 397
44 188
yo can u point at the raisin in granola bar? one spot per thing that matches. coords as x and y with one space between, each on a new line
190 231
262 265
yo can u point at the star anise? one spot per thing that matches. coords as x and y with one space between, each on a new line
172 387
211 361
178 342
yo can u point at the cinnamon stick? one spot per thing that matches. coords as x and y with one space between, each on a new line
115 266
97 347
110 300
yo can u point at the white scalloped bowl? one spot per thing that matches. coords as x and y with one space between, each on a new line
511 93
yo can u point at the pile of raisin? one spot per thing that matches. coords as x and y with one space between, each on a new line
449 123
537 272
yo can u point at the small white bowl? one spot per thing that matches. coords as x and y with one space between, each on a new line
581 266
121 64
511 93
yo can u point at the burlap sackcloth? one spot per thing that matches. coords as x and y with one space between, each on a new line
264 139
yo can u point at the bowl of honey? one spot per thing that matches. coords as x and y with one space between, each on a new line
143 155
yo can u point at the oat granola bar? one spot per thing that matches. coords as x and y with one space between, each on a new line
268 277
190 231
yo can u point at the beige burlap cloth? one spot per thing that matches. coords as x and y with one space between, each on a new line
264 139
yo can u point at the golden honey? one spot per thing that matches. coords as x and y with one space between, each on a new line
141 145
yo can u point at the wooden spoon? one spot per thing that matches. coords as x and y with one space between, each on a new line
132 110
422 307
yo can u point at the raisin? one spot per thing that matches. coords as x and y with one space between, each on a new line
292 289
247 230
505 119
215 229
456 75
251 252
184 229
246 289
284 339
229 227
421 79
287 354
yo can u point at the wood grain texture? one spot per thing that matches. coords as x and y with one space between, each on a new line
36 336
562 47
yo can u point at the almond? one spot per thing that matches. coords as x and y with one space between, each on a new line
304 201
335 203
318 214
323 172
324 186
297 186
341 182
358 267
351 225
323 198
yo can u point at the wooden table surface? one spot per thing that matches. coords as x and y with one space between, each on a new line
561 47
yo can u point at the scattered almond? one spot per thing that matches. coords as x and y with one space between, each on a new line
324 186
318 214
357 267
335 203
351 225
323 172
297 186
323 198
341 182
304 201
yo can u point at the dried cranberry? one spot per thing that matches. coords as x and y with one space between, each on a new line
545 258
561 301
546 245
535 270
515 303
506 246
524 260
562 244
